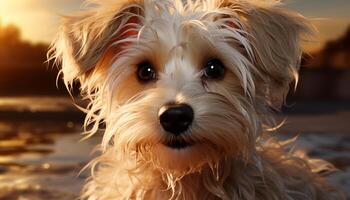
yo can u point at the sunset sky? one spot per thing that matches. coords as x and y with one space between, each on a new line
38 18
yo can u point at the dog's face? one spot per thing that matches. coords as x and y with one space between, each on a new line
181 86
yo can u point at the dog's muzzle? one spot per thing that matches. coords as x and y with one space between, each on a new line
176 118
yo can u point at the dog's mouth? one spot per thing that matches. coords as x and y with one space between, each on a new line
178 143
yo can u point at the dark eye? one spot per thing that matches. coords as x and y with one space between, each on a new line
214 69
146 72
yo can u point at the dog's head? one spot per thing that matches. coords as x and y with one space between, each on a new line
179 85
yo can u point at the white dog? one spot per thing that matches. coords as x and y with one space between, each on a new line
185 92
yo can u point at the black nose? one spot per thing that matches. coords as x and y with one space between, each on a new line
176 118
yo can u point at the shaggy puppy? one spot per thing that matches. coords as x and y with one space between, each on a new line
184 91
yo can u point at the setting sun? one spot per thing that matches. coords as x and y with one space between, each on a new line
33 20
37 19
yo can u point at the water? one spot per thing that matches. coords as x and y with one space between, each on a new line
45 171
40 153
36 104
35 164
41 156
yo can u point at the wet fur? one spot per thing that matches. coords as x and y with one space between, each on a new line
235 156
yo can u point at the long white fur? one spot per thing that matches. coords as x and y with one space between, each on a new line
234 156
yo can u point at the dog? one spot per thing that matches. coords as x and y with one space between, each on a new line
184 93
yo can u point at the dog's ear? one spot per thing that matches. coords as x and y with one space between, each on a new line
83 38
275 35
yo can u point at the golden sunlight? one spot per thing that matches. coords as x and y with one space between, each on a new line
38 19
35 20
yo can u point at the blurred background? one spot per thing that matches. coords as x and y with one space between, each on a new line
40 152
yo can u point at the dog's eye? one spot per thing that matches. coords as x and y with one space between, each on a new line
146 72
214 69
